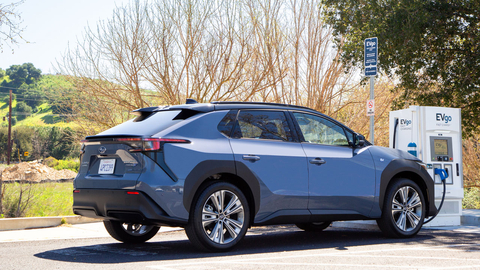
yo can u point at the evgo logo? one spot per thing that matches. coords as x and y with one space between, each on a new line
405 122
443 118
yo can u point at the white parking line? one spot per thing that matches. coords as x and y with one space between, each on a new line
257 261
409 257
383 266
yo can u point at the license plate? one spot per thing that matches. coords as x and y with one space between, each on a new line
107 166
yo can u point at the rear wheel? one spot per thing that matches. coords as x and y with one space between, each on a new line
403 209
130 232
219 218
314 226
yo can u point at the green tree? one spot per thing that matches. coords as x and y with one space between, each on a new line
22 141
25 77
22 75
432 46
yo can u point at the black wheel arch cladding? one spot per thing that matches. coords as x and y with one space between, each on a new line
409 169
208 168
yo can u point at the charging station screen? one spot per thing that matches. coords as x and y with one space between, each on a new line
441 147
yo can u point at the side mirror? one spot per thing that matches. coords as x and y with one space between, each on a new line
359 140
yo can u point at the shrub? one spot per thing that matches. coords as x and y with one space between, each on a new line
50 162
471 199
70 164
18 198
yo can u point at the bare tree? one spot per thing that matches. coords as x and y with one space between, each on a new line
353 110
248 50
324 84
10 24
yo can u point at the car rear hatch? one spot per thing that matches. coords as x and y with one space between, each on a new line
115 158
109 163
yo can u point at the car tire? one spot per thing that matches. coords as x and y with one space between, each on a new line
130 233
219 218
403 209
314 226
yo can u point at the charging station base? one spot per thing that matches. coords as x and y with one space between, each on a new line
450 214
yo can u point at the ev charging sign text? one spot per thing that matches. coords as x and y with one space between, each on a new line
371 56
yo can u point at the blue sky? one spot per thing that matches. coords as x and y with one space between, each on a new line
50 26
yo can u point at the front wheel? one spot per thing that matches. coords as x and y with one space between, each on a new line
403 209
219 218
130 233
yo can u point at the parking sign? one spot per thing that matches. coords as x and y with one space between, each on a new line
371 56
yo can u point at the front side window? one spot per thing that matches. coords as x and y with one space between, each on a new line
267 125
318 130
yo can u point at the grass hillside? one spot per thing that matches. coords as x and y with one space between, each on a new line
43 117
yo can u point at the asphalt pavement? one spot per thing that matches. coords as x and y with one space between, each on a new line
264 248
66 231
97 230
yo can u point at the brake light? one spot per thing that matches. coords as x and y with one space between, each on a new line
133 193
148 144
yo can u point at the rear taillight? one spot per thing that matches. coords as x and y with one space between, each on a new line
148 144
136 144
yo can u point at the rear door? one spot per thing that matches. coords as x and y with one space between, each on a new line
262 142
341 177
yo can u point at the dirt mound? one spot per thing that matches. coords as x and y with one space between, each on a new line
35 172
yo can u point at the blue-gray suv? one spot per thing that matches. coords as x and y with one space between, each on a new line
217 169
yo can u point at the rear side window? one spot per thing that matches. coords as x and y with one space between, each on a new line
266 125
226 125
155 123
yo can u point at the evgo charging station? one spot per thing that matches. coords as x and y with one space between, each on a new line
434 135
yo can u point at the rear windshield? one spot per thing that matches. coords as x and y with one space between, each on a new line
155 123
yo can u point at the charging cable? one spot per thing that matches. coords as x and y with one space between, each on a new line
443 175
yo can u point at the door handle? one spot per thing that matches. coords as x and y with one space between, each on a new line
251 158
317 161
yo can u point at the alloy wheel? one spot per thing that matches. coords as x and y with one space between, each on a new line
223 217
406 208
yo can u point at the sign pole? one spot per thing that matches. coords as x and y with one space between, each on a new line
372 118
370 63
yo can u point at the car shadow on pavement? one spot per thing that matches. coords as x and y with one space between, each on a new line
259 240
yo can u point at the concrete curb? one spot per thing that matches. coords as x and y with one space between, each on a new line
7 224
470 217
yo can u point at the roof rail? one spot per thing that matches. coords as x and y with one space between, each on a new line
260 103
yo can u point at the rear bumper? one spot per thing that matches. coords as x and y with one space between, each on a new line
119 205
